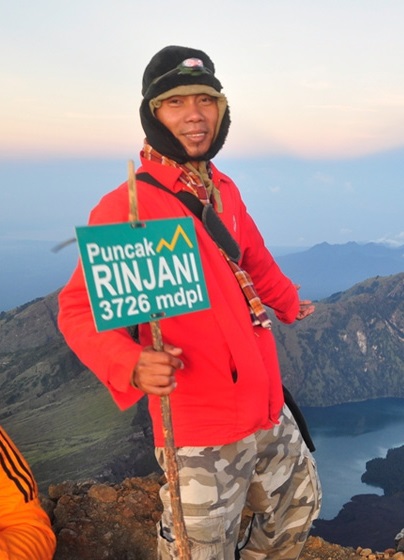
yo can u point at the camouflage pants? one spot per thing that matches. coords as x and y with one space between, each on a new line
271 472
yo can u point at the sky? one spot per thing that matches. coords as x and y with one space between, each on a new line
315 87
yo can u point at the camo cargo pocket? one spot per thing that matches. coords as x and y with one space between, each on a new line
206 537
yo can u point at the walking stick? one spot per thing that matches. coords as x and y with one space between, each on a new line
169 449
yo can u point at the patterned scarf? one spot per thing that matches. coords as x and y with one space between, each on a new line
199 182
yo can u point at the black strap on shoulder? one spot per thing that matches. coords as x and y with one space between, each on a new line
206 213
300 419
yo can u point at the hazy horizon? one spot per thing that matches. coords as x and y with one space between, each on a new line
314 79
295 201
316 95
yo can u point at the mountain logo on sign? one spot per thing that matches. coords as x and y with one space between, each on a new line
171 245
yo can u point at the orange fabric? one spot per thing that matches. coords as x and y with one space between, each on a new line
25 529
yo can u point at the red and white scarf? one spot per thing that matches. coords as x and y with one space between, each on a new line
198 182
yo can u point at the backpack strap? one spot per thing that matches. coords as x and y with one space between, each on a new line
205 213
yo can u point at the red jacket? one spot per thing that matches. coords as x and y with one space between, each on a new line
230 386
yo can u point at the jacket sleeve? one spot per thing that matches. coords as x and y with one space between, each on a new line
25 533
110 355
25 529
275 289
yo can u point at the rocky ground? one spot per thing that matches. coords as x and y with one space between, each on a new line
96 521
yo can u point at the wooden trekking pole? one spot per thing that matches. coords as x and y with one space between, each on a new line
169 448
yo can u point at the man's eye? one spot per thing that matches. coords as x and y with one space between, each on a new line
207 100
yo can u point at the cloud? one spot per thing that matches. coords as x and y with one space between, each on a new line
318 85
388 99
97 116
345 108
323 178
394 240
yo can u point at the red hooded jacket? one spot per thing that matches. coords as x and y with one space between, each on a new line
230 385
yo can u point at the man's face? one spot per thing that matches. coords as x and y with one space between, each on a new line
192 119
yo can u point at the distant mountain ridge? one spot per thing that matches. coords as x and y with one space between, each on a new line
325 269
62 418
68 428
351 349
30 269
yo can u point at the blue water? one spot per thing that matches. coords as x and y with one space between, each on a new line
346 437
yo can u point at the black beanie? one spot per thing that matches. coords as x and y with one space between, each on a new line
171 67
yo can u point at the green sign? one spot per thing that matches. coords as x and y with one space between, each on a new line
141 271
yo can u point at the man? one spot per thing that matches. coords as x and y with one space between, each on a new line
236 443
25 529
